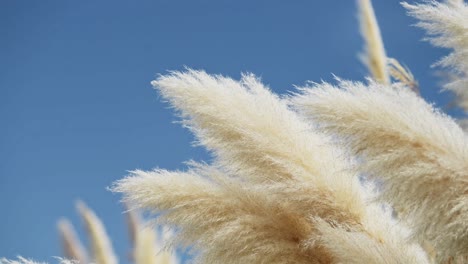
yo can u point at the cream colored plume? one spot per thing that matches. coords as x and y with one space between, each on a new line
247 127
254 135
72 247
232 222
150 249
101 247
225 225
374 56
133 224
273 179
148 246
419 155
447 26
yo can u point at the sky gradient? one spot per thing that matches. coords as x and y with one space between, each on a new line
77 109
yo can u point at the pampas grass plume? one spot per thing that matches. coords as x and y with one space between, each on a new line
147 243
227 216
374 56
101 247
447 27
419 154
72 247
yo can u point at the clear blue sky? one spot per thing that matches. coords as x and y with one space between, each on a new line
77 109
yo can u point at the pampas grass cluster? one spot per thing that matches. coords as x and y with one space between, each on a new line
346 173
147 245
335 173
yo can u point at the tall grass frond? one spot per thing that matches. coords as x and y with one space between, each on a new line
71 245
101 247
447 27
164 236
148 247
133 224
144 251
374 56
419 155
402 74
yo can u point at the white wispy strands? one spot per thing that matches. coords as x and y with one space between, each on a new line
22 260
374 56
101 247
275 187
447 26
356 248
419 155
402 74
72 246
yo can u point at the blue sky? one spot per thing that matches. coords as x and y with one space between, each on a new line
77 109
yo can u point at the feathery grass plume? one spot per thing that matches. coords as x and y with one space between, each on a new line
72 247
224 222
420 155
254 135
274 177
148 248
402 74
374 56
144 251
447 26
101 247
233 222
133 223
